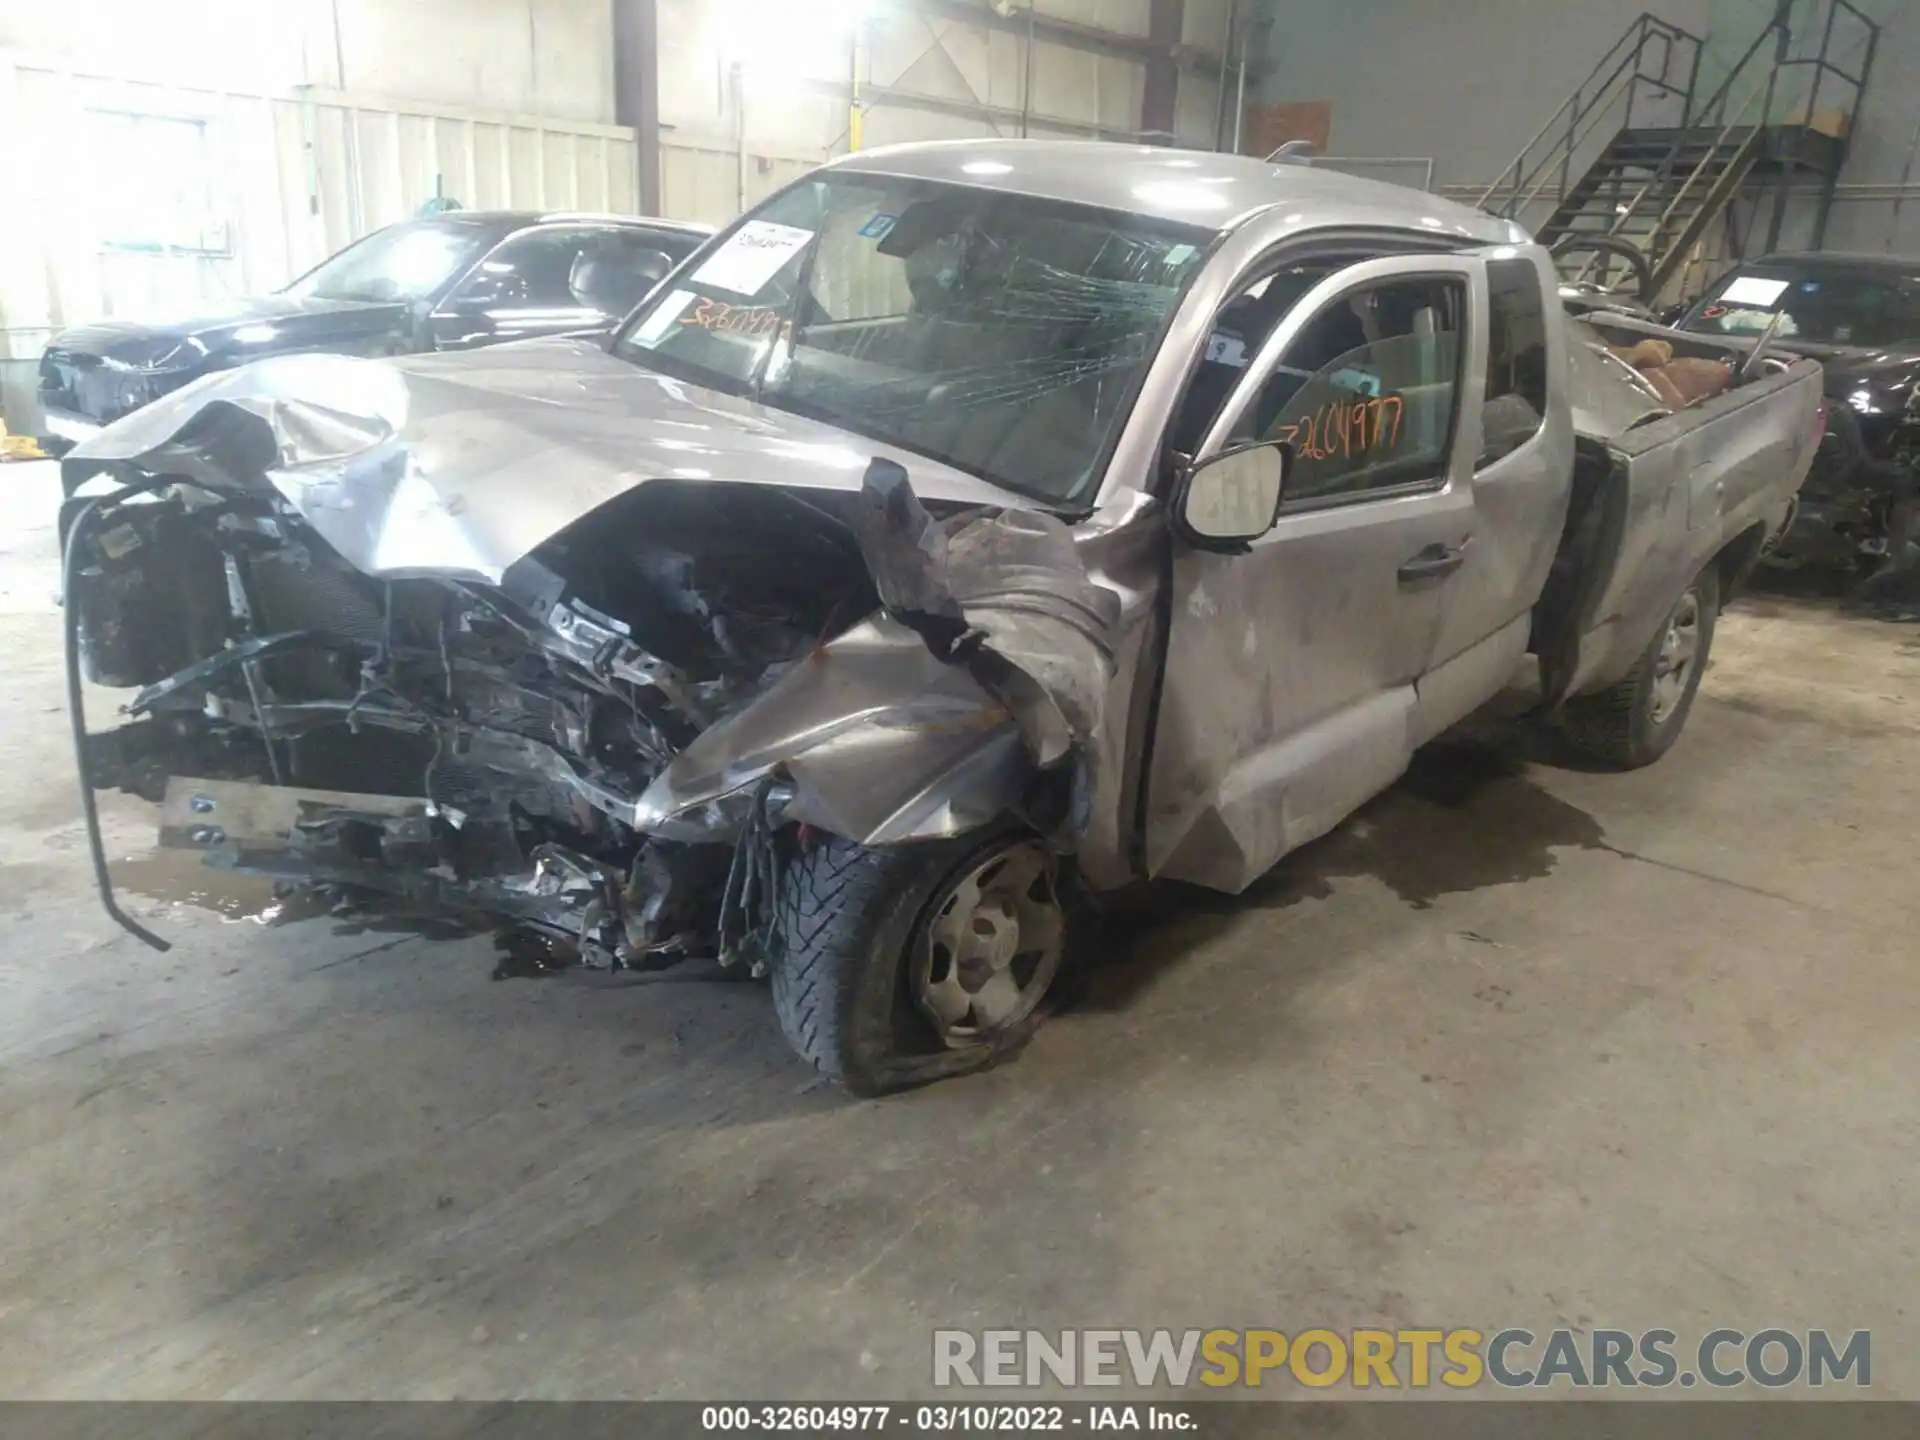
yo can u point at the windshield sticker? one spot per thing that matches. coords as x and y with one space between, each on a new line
663 316
1226 349
735 319
1752 290
752 257
878 227
1180 254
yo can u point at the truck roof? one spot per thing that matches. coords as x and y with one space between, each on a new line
516 219
1197 187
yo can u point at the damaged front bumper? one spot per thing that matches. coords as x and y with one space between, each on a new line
609 737
1856 510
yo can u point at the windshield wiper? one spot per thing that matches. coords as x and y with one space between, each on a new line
790 325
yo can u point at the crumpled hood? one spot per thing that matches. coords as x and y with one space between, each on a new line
456 466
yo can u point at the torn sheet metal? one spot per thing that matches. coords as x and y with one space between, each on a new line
881 739
455 466
1006 593
994 659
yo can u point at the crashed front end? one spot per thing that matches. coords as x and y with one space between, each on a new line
1856 509
593 716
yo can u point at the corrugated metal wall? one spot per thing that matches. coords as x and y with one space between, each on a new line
162 197
1408 77
140 195
750 100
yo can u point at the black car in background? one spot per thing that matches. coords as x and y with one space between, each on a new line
449 282
1859 315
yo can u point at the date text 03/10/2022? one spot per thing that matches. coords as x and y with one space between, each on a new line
944 1419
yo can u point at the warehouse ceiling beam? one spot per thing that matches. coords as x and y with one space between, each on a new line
1166 22
636 92
1017 19
937 47
880 96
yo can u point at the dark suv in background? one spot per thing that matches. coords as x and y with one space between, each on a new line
449 282
1859 315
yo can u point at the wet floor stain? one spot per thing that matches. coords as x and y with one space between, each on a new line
178 877
1467 815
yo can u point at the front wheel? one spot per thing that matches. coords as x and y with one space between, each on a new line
1637 719
908 963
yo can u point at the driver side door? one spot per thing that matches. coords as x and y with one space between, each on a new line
1289 694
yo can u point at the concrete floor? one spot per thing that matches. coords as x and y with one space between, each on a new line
1518 1046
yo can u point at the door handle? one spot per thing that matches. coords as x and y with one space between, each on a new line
1434 563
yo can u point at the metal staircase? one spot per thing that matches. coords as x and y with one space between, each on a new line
1646 155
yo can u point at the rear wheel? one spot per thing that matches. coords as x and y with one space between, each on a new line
908 963
1637 720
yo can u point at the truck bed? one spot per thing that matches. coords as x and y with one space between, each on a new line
1660 495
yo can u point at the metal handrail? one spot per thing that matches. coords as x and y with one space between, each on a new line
1579 130
1665 217
1621 66
1558 161
1720 140
1712 110
1715 104
1822 63
1632 33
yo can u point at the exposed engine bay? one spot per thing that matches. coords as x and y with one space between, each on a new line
530 719
495 744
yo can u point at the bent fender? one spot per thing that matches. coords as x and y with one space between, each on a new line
990 664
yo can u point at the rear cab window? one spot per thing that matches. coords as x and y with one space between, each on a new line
1516 401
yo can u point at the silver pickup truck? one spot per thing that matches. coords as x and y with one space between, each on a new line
968 530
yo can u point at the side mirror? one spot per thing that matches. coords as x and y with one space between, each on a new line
1232 498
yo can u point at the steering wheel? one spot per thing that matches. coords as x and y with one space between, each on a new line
1608 245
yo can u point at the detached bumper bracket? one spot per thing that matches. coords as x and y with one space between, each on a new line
83 521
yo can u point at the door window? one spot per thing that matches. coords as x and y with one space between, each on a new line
616 269
604 270
1239 330
1369 392
1516 404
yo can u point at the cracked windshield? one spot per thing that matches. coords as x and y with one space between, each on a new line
1000 334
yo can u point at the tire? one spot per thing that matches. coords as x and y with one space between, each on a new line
843 977
1635 721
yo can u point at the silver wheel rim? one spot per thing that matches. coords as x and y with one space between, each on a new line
1679 648
984 960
